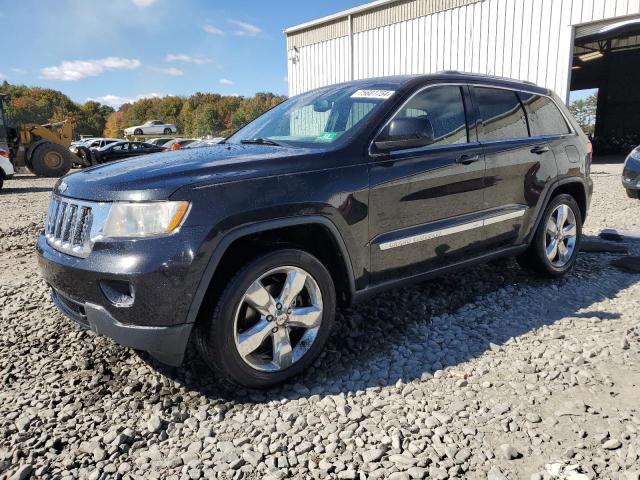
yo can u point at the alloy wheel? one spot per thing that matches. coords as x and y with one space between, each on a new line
560 236
278 319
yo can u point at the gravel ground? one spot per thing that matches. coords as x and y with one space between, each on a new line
487 373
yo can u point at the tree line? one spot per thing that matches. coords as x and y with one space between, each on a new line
199 115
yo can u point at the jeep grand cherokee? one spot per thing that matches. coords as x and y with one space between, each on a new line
325 200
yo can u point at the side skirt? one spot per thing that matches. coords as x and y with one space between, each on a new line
363 295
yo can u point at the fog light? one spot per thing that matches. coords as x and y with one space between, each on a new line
118 292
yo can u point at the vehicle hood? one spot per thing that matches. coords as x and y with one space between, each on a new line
156 176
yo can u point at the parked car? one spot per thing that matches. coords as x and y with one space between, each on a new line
323 201
159 142
124 149
152 127
177 144
6 167
92 144
631 174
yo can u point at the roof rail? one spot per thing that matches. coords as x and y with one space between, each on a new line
486 75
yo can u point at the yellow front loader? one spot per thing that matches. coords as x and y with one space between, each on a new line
42 149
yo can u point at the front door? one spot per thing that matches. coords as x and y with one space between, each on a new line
425 202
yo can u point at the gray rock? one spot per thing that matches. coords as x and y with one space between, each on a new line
154 423
533 417
98 454
438 473
508 452
373 455
23 472
612 444
496 474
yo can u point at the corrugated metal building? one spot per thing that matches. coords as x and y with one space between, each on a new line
554 43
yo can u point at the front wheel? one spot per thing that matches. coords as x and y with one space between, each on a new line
556 243
137 131
271 321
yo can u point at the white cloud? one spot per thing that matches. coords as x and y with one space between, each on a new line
212 30
245 29
143 3
171 71
115 100
19 71
181 57
225 81
79 69
2 76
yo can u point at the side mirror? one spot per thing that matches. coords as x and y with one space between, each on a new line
406 132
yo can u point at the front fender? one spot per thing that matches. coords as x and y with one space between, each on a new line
263 226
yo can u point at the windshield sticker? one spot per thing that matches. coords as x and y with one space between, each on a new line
376 94
327 136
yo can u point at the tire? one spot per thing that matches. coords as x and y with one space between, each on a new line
51 160
218 335
633 193
1 181
536 258
167 131
137 131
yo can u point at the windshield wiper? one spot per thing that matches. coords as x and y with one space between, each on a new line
261 141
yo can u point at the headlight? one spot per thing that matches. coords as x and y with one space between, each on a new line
635 154
144 219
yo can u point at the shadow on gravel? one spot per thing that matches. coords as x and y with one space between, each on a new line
406 333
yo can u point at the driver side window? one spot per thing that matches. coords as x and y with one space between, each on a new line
443 106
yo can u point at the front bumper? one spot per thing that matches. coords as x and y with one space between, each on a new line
166 344
153 318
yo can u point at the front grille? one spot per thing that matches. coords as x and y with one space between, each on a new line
68 225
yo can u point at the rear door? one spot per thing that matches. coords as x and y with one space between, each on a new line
519 166
425 202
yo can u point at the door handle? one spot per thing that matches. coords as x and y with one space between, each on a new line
540 149
467 159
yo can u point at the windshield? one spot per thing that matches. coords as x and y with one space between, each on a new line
313 119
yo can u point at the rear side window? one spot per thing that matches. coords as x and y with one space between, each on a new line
503 117
544 116
444 107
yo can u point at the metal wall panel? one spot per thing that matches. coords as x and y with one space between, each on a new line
524 39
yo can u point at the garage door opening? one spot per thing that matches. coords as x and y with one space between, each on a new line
606 60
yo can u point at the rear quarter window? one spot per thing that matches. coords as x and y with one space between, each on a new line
544 115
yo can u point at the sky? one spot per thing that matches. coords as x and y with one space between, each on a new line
120 50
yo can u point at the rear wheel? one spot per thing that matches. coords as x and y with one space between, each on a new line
271 321
555 246
167 131
51 160
633 193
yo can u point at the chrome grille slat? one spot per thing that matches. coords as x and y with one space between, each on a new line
69 222
66 223
59 219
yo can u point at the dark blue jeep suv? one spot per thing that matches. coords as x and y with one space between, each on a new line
330 197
